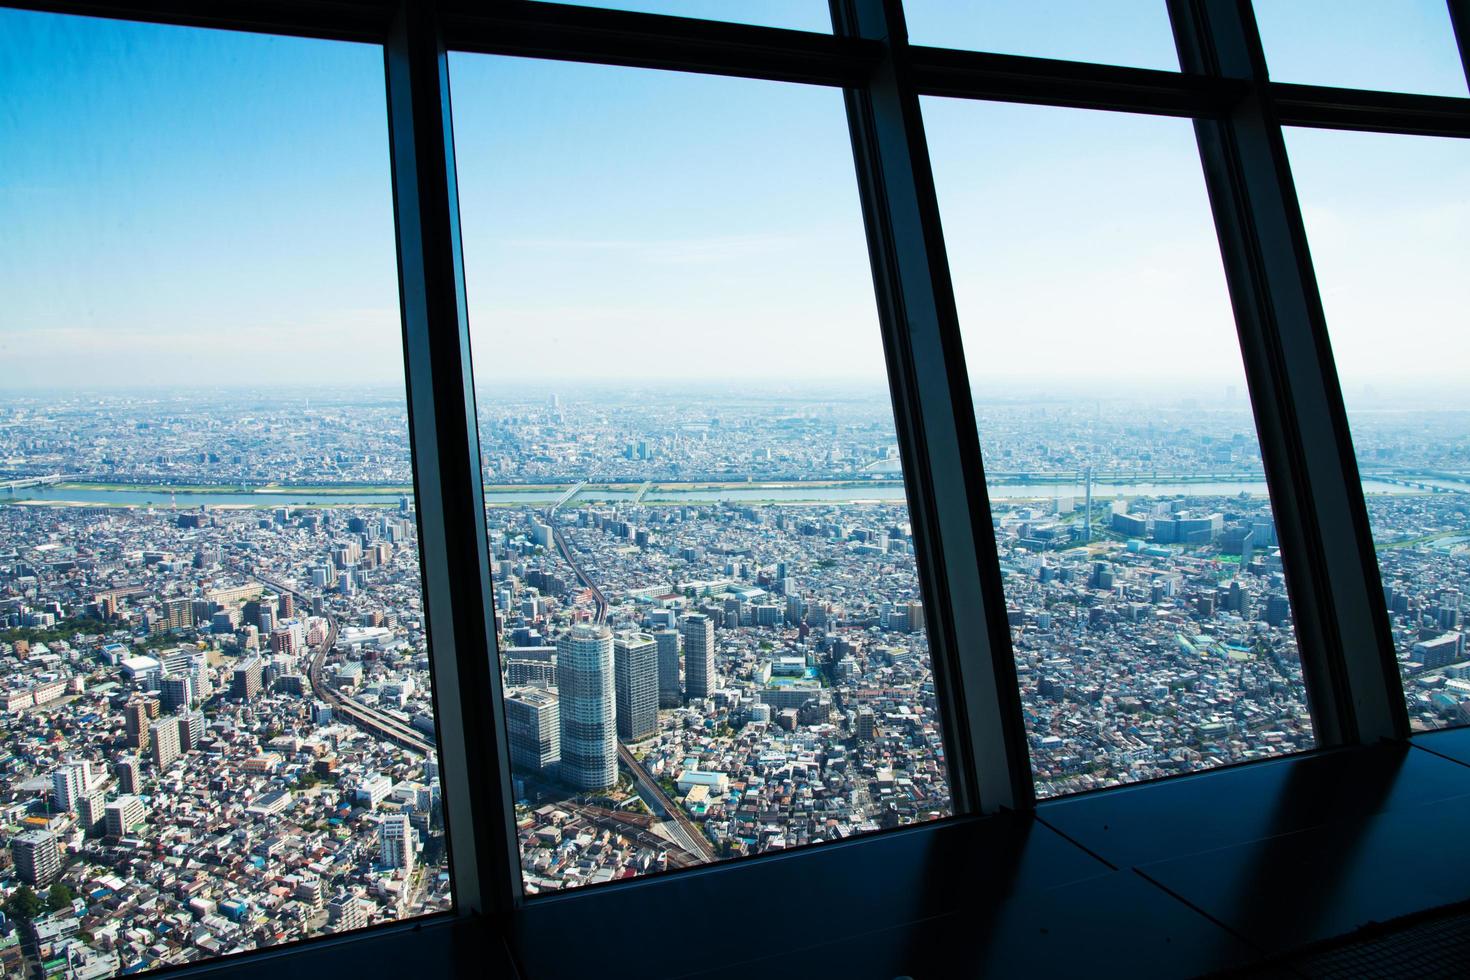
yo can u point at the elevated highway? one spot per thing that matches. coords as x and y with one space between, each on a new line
30 481
369 719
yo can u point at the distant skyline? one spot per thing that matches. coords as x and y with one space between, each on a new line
199 207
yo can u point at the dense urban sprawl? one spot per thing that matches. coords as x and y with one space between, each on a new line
218 729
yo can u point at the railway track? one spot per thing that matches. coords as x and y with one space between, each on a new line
691 838
689 835
369 719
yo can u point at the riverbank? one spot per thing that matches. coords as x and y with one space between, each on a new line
749 493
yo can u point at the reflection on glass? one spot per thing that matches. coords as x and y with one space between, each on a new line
216 732
1387 218
1112 32
707 605
1388 45
1147 597
798 15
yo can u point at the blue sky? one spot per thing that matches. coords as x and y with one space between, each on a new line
645 224
204 207
1388 218
186 205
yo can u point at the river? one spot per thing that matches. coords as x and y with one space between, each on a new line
752 493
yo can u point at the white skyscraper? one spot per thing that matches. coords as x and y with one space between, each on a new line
396 840
71 782
584 673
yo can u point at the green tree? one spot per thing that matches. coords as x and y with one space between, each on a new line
59 897
24 904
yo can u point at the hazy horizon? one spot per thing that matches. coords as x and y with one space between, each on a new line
623 223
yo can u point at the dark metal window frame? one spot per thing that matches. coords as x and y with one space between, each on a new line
1348 658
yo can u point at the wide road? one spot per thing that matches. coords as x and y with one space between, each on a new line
373 721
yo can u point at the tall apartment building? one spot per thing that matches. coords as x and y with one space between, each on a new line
177 691
164 741
245 682
191 730
123 814
37 858
91 812
70 784
533 727
396 840
670 689
699 655
129 774
635 674
346 913
584 669
136 717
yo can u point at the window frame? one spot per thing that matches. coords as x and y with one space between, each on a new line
1354 688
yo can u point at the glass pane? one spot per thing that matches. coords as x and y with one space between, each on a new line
1388 45
1147 598
210 614
1135 33
1388 218
798 15
708 609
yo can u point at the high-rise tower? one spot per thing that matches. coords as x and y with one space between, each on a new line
533 727
396 840
584 675
670 691
71 782
635 668
699 655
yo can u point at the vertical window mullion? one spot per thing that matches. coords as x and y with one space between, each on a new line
975 674
1460 19
457 594
1348 661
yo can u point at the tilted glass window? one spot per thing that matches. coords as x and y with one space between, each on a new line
1389 45
707 605
800 15
216 716
1146 592
1388 219
1111 32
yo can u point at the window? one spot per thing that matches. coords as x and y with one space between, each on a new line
1145 589
800 15
218 728
1114 32
1391 45
1387 218
707 605
635 404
